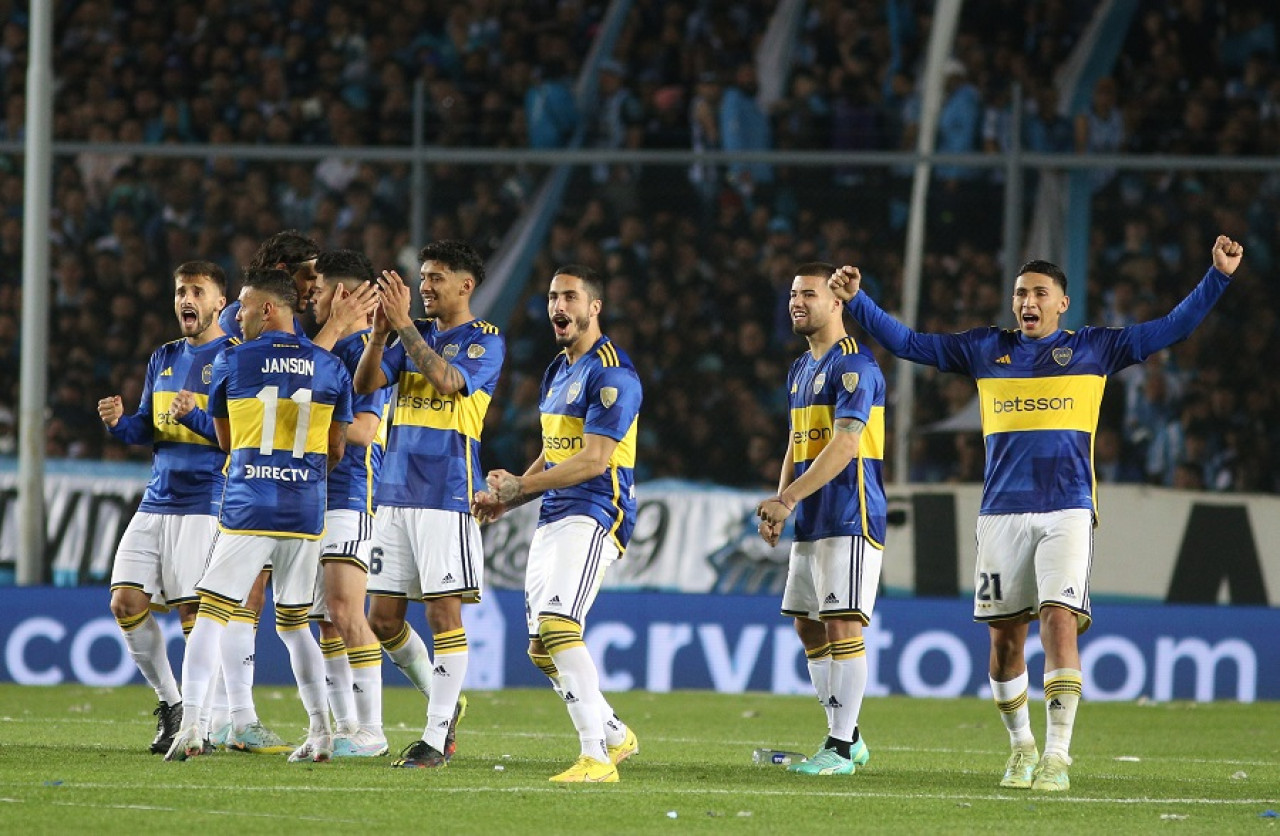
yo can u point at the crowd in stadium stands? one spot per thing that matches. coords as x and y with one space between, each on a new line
699 258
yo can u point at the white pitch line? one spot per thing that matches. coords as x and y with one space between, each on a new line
154 808
852 792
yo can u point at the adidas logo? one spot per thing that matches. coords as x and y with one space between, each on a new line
440 670
356 689
443 724
833 702
167 372
328 682
569 697
1069 592
831 598
554 602
1055 703
448 578
1004 361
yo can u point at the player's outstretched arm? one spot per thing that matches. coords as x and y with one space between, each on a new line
1149 337
940 350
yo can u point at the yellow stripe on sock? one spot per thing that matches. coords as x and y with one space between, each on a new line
1012 706
187 627
215 609
132 622
544 663
848 649
559 634
1063 686
245 614
399 640
453 641
817 653
332 648
291 618
365 656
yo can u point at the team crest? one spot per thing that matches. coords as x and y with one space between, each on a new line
574 389
206 374
818 381
609 396
849 380
450 351
475 351
1062 356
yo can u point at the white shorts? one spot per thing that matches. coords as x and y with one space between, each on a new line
424 553
238 558
835 576
1028 560
348 538
567 562
164 555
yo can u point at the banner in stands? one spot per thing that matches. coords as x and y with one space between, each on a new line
729 643
1153 544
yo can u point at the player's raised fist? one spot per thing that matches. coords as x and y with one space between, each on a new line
110 410
845 283
1227 254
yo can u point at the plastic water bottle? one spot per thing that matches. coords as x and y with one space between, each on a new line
776 757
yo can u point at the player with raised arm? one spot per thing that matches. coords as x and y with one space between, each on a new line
346 294
832 479
427 545
1040 389
590 408
162 552
280 406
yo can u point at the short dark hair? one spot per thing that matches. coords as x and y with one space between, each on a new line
290 248
589 276
345 264
274 282
820 269
203 268
458 256
1046 268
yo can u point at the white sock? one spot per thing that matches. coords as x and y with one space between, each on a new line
218 711
145 640
367 686
198 666
339 682
238 667
1011 700
450 669
849 685
818 661
1061 698
408 652
615 731
308 668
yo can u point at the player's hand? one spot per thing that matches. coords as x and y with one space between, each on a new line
770 532
773 511
486 508
352 307
1227 254
845 283
504 485
111 410
395 299
183 402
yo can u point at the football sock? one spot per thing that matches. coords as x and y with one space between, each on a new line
366 685
145 640
818 661
408 652
201 660
1061 698
446 685
580 682
238 666
848 686
307 662
338 683
1011 700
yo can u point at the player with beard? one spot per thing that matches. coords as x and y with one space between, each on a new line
427 544
163 550
832 479
590 408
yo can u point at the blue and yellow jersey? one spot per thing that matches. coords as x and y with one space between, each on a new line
227 319
433 444
843 383
598 395
351 482
280 392
1040 399
187 470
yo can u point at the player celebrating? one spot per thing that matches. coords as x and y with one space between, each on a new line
590 408
352 655
163 550
444 369
1040 389
280 407
832 479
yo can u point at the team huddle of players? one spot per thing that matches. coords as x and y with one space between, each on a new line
272 451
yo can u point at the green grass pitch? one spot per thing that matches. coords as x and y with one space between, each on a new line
73 760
